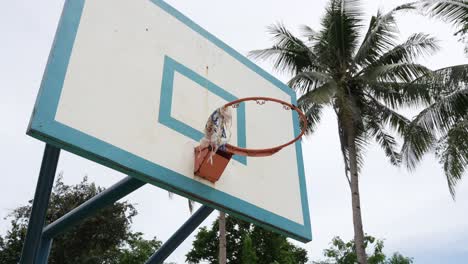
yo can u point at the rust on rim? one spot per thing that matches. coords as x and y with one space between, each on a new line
212 167
267 151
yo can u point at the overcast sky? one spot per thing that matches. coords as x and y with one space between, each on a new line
413 212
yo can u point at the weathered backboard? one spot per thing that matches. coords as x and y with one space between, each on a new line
131 83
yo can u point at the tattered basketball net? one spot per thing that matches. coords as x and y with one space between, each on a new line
214 153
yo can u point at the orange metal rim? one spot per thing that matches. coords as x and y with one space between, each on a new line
267 151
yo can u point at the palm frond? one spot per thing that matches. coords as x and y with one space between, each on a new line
352 8
444 81
381 36
309 80
385 141
312 101
283 37
418 141
453 154
452 11
338 38
449 88
400 94
288 54
313 113
320 95
416 46
378 117
386 116
444 113
422 91
308 33
397 72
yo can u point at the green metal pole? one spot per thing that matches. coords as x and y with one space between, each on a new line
42 255
40 204
180 235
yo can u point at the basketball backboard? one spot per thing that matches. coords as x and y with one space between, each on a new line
131 83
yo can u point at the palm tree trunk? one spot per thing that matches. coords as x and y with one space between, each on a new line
222 237
356 202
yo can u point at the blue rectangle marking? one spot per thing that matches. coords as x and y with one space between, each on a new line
165 106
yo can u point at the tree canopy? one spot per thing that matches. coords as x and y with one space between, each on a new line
341 252
105 237
245 241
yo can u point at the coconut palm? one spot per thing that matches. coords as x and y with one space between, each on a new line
442 127
363 74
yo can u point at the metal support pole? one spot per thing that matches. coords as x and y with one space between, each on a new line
40 204
103 199
180 235
42 255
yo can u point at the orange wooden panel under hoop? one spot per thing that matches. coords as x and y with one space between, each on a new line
211 167
268 151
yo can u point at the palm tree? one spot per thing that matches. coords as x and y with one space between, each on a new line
442 127
364 76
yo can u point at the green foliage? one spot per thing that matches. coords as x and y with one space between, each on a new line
137 250
248 251
267 246
397 258
341 252
442 126
12 243
102 238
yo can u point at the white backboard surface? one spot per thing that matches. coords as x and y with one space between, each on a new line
131 83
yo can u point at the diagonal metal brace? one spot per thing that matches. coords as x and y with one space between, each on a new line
40 204
180 235
103 199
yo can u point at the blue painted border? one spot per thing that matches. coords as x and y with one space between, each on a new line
165 103
44 127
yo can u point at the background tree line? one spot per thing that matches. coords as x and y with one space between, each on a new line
107 238
104 238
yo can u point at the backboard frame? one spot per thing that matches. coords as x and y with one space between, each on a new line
43 126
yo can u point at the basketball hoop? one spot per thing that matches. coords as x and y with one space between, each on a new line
213 155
